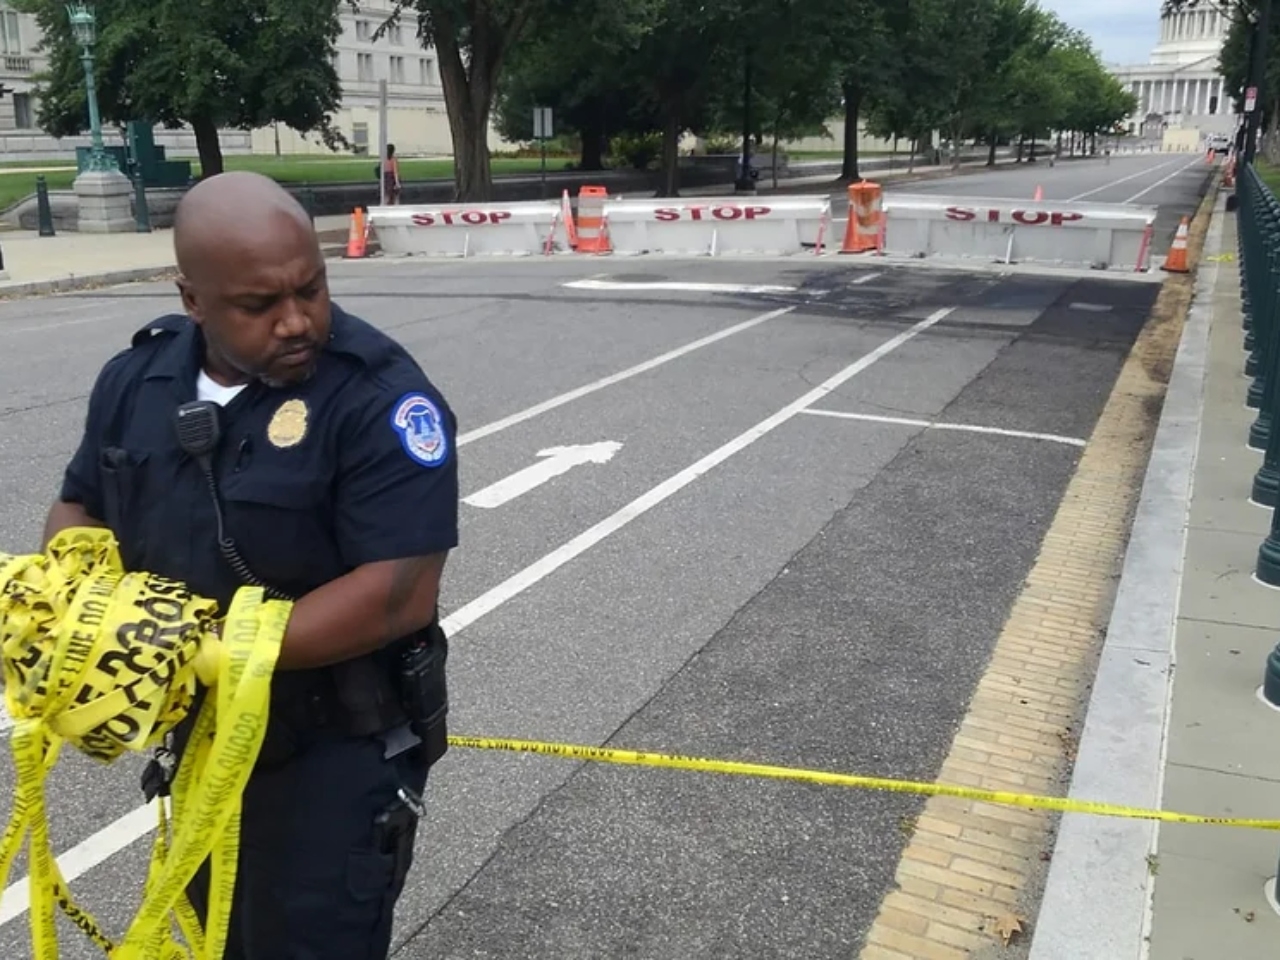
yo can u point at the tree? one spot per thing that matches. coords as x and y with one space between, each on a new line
908 100
675 65
472 39
207 63
1093 101
863 44
794 85
571 64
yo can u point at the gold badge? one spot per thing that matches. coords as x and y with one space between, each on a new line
289 425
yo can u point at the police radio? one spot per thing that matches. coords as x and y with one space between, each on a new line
199 428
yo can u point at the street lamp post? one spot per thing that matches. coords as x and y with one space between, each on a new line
102 190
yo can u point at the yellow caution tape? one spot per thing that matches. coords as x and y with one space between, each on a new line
109 662
638 758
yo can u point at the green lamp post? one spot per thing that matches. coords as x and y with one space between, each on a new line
103 191
85 30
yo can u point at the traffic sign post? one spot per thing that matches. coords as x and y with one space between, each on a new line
542 133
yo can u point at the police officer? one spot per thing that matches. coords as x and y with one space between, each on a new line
269 437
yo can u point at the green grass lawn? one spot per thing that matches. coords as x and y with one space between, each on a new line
17 182
1270 175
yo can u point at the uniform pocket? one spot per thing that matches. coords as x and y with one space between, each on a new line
122 473
281 526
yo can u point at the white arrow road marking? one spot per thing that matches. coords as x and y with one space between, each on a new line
678 287
557 460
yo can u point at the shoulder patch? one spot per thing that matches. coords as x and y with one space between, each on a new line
420 425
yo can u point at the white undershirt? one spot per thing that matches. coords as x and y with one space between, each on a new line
209 389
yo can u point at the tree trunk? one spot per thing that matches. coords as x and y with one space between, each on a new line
208 146
592 133
1033 148
467 103
670 186
991 154
777 123
468 92
852 108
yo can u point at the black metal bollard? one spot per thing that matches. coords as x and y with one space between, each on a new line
1263 434
44 213
141 213
1263 220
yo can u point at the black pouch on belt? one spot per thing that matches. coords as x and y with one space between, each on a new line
424 689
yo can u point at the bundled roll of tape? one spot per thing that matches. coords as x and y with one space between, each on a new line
109 662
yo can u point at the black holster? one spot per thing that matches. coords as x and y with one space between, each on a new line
404 684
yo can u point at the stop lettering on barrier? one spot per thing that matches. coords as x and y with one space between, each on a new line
461 218
720 212
1027 218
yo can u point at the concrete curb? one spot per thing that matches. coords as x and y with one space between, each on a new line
87 281
1097 901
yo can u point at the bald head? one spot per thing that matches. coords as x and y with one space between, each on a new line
252 276
233 209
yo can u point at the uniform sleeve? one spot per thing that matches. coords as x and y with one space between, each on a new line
397 489
82 481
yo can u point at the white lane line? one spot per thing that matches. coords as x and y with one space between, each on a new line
540 408
867 278
538 570
119 835
1116 183
1161 183
84 856
660 285
962 427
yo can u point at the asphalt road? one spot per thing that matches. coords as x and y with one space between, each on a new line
781 562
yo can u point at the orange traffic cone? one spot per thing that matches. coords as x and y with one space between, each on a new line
1176 262
1039 194
356 241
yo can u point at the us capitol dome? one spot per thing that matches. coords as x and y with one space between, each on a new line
1180 92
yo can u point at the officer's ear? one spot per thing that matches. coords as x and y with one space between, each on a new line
189 301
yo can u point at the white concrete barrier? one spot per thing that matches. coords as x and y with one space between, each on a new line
468 230
718 226
1101 236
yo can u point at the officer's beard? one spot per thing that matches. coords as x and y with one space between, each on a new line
261 374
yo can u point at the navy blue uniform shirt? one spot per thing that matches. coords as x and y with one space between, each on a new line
356 465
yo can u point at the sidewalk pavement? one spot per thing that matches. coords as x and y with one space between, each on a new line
78 261
1174 721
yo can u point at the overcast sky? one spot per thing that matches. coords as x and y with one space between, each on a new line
1123 31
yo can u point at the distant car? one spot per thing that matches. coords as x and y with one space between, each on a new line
1220 145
